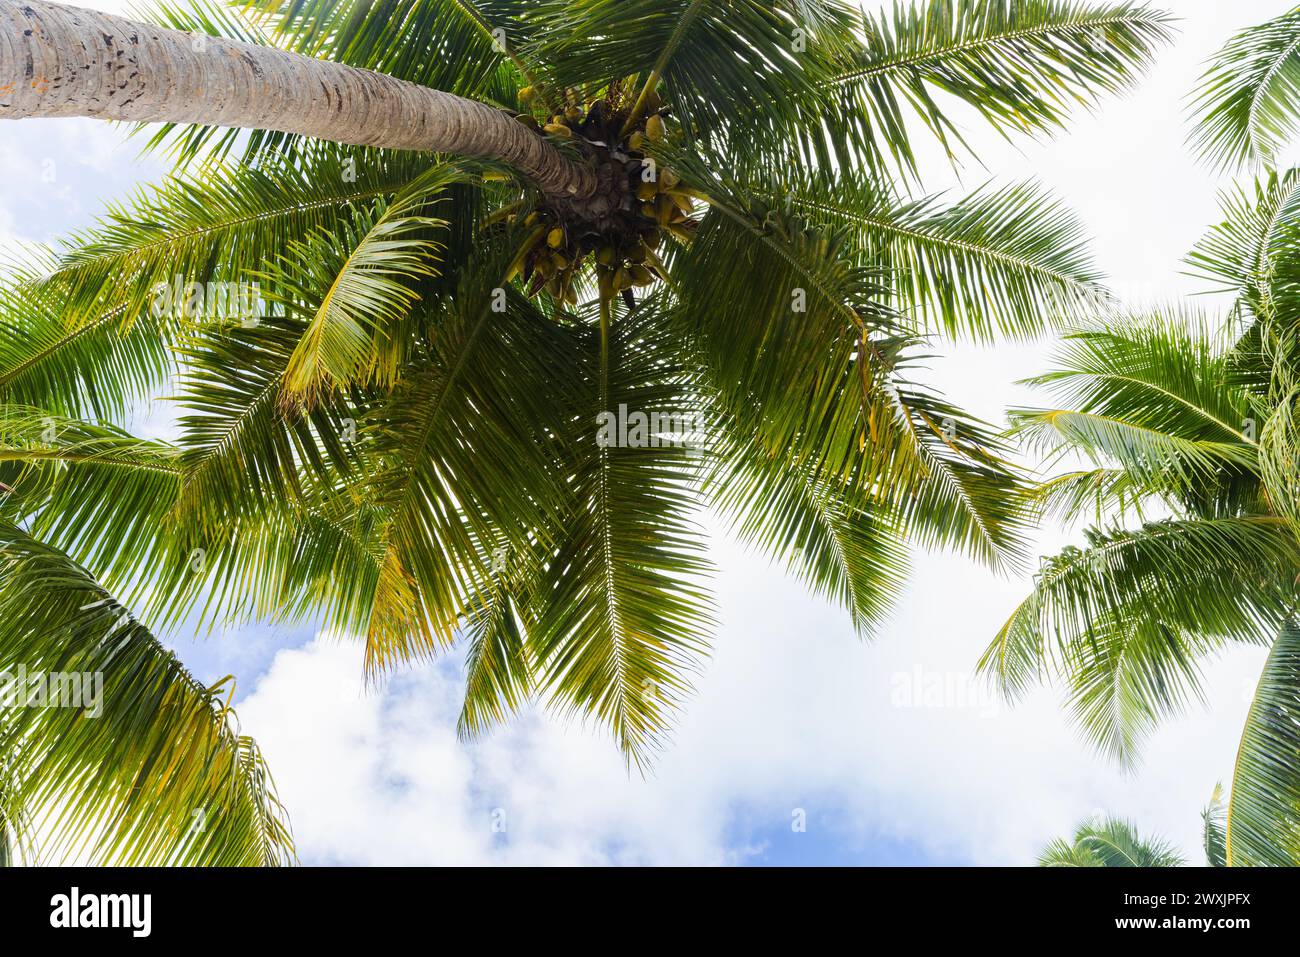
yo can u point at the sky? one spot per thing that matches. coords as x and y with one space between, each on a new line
804 744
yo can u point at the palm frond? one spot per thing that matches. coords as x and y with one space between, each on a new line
1160 398
850 552
1130 673
1005 261
474 48
1238 568
1093 494
1165 372
1245 103
100 368
221 226
1021 65
357 286
152 770
623 616
1214 834
499 670
1251 253
243 450
462 457
1263 815
965 493
732 71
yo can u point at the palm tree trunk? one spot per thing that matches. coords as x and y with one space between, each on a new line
64 61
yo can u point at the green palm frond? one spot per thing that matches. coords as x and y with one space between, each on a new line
1023 66
154 770
113 503
1156 459
356 286
852 552
1002 261
965 494
499 667
93 491
451 45
222 225
463 459
1092 494
1159 398
1214 829
1165 372
1129 674
1237 567
623 616
1251 253
804 348
791 331
1279 470
1245 104
100 368
242 448
734 71
1263 815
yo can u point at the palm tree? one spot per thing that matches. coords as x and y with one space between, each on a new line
541 282
1112 842
1109 842
1188 425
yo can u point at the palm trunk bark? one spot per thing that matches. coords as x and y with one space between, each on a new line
57 60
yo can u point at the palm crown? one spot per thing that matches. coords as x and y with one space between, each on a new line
1189 425
1109 842
405 444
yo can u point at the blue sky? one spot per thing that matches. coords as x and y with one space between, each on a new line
794 713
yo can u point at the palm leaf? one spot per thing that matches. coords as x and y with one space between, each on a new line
219 227
463 463
1022 65
622 616
357 287
1005 261
1214 820
161 776
1238 568
1263 816
1245 102
1251 253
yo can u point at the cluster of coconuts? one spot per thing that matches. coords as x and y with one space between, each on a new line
622 224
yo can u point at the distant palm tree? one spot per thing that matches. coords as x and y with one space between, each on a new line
442 425
1109 842
1191 427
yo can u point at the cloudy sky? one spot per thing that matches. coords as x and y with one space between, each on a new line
803 744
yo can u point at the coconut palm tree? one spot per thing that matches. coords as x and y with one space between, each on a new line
471 309
1109 842
1188 425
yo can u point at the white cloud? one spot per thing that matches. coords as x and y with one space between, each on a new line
381 779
